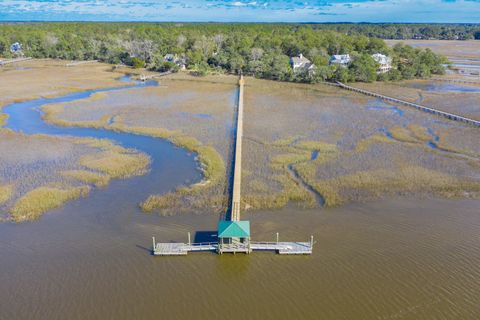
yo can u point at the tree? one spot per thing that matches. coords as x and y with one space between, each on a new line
364 68
138 63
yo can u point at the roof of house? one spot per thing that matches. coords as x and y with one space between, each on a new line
234 229
300 60
381 58
344 58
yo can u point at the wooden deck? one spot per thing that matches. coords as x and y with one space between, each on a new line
283 248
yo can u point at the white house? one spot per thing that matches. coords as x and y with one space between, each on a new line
302 64
340 59
180 62
384 61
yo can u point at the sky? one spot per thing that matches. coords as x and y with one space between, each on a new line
459 11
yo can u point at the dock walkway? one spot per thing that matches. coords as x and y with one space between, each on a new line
237 170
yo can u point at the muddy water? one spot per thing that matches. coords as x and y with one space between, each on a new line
446 87
393 259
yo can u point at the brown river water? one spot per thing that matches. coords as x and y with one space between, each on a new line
91 259
394 259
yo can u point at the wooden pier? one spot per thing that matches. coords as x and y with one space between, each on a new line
144 77
11 61
237 169
77 63
434 111
233 234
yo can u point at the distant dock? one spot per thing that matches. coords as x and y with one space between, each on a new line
11 61
450 116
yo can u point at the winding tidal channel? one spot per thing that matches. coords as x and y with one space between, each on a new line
391 259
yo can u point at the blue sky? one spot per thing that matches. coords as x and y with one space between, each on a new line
243 10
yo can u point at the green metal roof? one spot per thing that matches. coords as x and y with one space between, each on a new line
234 229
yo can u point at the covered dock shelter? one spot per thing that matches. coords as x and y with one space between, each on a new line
234 236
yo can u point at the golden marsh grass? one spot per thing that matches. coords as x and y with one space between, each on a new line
38 201
88 177
116 165
6 192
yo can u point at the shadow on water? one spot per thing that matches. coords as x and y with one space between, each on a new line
205 236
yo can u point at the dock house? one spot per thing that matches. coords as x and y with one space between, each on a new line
234 236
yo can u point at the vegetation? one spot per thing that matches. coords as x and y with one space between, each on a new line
116 165
408 31
262 50
3 119
38 201
88 177
6 192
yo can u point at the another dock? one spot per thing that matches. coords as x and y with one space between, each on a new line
11 61
77 63
434 111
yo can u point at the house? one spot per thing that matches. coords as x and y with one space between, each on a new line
302 64
340 59
384 61
180 62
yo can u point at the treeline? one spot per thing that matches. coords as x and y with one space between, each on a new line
408 31
262 50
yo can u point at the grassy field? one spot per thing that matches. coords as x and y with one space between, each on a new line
450 48
36 167
349 148
308 144
313 145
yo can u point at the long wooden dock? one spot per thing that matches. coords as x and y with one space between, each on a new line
234 235
434 111
237 173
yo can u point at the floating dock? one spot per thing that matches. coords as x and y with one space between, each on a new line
182 249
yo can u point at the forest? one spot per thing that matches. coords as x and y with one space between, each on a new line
260 50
